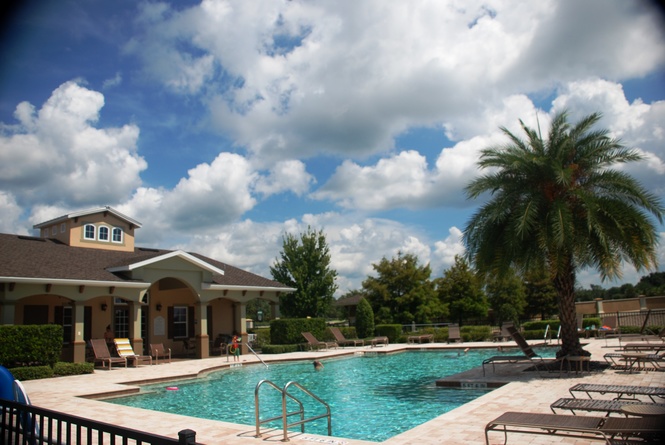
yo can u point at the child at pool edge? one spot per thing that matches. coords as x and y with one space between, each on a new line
317 365
236 348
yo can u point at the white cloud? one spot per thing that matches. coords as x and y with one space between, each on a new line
288 175
56 155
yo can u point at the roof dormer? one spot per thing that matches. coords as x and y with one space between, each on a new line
99 228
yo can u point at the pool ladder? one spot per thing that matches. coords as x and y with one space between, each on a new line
285 415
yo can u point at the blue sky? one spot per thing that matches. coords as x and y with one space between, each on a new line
221 126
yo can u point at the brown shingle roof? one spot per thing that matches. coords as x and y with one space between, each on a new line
32 257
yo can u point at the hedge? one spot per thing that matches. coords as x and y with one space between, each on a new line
30 345
288 331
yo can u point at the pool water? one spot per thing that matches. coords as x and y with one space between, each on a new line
371 397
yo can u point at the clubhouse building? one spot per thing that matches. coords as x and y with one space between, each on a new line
84 272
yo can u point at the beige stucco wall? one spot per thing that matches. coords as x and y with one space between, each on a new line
73 233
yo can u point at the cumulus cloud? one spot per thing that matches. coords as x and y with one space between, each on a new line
56 154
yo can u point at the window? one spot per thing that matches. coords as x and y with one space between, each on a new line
63 228
117 235
103 233
54 230
180 322
67 328
121 322
89 231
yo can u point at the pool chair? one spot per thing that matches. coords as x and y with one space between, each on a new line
125 350
102 354
381 340
343 341
423 338
454 333
313 343
611 430
599 405
158 350
655 393
503 334
528 354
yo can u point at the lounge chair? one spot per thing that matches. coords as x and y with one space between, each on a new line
528 354
606 406
158 350
102 354
428 338
585 427
124 348
381 340
313 343
454 333
343 341
620 391
503 334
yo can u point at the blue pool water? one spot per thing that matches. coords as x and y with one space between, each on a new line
372 397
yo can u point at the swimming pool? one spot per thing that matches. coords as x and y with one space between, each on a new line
371 397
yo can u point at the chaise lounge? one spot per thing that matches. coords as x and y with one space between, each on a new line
529 355
584 427
125 350
313 343
343 341
102 354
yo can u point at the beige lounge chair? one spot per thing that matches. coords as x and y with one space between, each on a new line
427 338
454 333
158 350
381 340
102 354
584 427
124 348
342 341
313 343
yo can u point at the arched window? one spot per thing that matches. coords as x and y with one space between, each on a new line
103 233
89 231
116 235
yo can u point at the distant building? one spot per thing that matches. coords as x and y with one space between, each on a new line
85 273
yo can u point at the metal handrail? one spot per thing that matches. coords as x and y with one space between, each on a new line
285 415
257 355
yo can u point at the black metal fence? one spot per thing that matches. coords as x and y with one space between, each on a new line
30 425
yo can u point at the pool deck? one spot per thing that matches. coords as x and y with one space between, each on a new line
521 391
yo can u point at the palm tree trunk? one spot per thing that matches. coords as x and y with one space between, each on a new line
564 283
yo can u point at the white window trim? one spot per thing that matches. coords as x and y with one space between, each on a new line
122 235
85 232
186 322
108 234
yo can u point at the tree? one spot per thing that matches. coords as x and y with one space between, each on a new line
507 297
462 291
402 292
556 205
305 266
364 319
540 296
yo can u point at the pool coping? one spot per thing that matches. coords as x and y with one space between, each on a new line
78 395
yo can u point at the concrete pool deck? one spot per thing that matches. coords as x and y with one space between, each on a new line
523 391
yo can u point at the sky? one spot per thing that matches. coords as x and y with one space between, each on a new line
223 125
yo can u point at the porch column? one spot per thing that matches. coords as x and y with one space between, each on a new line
8 312
241 325
274 310
79 328
135 327
201 330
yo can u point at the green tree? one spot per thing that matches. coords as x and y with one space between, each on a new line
540 296
557 205
305 266
402 292
507 297
364 319
462 291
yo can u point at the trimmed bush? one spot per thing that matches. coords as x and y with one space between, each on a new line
279 349
392 331
288 331
32 372
475 333
364 319
30 345
65 368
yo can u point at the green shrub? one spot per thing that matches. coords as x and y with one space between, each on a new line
542 324
32 372
364 319
475 333
392 331
288 331
65 368
279 349
23 345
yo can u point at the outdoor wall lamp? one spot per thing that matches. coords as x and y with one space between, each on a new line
104 306
158 307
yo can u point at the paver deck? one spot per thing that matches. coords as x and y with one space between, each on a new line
522 391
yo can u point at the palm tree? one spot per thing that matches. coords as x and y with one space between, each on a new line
556 206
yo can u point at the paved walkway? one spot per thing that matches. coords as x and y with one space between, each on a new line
527 391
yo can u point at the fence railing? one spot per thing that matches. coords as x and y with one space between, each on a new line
31 425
